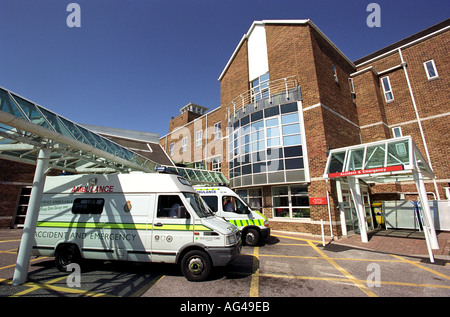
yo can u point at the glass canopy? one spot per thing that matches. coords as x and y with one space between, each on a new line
380 162
25 127
199 176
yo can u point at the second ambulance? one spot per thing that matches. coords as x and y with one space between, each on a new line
224 202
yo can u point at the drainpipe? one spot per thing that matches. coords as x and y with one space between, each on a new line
418 119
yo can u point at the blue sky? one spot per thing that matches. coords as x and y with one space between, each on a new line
134 63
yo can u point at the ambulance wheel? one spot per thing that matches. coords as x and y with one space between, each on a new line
252 237
65 255
196 265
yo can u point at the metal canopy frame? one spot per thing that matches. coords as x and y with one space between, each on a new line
26 127
384 161
387 161
32 134
199 176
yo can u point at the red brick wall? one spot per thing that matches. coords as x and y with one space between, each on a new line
431 97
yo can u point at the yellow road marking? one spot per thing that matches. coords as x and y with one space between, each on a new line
343 271
421 266
342 279
12 251
48 285
254 286
13 265
300 239
9 241
147 286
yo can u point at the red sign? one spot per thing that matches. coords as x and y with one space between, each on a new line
318 201
368 171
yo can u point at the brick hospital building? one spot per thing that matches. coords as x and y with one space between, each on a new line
289 96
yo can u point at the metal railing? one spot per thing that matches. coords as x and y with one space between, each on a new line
270 89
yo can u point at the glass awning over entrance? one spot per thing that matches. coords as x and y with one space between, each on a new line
378 162
26 127
199 176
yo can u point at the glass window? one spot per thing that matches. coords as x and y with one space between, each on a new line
272 122
257 125
335 73
292 140
355 159
291 129
430 69
184 144
245 139
88 205
293 151
290 107
273 132
375 156
170 206
246 169
336 162
273 142
275 165
211 201
289 118
296 163
257 116
172 148
270 112
217 164
258 146
217 131
198 138
398 153
259 135
260 87
397 132
388 95
290 202
233 204
245 120
198 205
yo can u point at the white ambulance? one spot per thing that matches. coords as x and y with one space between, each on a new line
132 217
224 202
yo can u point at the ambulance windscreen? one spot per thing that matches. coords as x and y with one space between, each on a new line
198 205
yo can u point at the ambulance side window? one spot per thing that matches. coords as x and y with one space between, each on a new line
171 206
88 205
211 201
232 204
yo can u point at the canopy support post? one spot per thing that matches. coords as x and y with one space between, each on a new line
26 243
359 205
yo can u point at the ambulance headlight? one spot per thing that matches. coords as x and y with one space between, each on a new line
266 223
231 239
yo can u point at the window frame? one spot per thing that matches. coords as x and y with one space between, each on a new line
198 138
387 92
218 130
434 68
88 207
184 144
335 75
399 129
172 149
290 206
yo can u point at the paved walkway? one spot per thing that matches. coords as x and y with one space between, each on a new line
405 242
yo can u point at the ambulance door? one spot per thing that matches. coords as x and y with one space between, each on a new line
172 228
126 228
235 211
